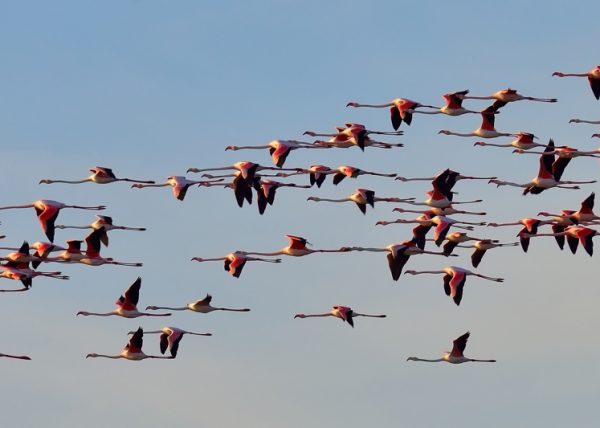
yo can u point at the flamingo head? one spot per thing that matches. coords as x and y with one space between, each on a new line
299 316
352 104
92 355
313 198
444 131
479 143
410 272
234 148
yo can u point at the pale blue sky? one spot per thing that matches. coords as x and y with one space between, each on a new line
151 88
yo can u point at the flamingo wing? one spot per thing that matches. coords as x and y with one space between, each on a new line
395 117
396 263
338 177
132 294
136 341
47 216
595 85
459 345
164 342
476 257
560 240
587 206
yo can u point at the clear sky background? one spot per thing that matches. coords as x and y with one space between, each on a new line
151 88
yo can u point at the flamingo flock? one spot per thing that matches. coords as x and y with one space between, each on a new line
253 182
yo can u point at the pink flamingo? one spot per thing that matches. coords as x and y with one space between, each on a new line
202 306
524 141
575 235
278 149
345 313
506 96
132 351
486 130
100 175
549 175
179 185
92 253
297 248
126 304
453 105
47 212
401 109
593 77
454 280
102 222
362 198
235 262
530 227
354 134
455 356
170 337
482 246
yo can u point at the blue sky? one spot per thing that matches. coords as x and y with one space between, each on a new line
151 88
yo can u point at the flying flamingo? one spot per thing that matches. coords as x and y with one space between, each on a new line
593 77
584 214
450 177
278 149
454 280
506 96
593 122
354 134
247 169
453 105
530 227
43 250
21 255
16 357
92 253
454 239
401 109
563 152
345 313
361 197
449 210
235 262
131 351
179 184
486 130
170 337
203 306
100 175
266 189
549 175
102 222
456 355
21 272
575 235
126 304
73 252
524 141
398 254
482 246
47 212
296 248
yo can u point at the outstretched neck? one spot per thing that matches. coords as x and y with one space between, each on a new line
425 360
10 207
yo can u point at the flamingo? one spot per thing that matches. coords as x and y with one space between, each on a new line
398 254
584 214
266 189
524 141
453 105
43 249
549 175
319 172
565 153
574 235
361 197
278 149
401 109
102 222
92 253
203 306
530 227
47 212
345 313
450 178
247 169
235 262
21 255
449 210
454 280
22 272
16 357
126 304
456 355
354 134
100 175
73 252
179 184
486 130
593 122
170 337
296 248
593 77
506 96
454 239
441 196
131 351
482 246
